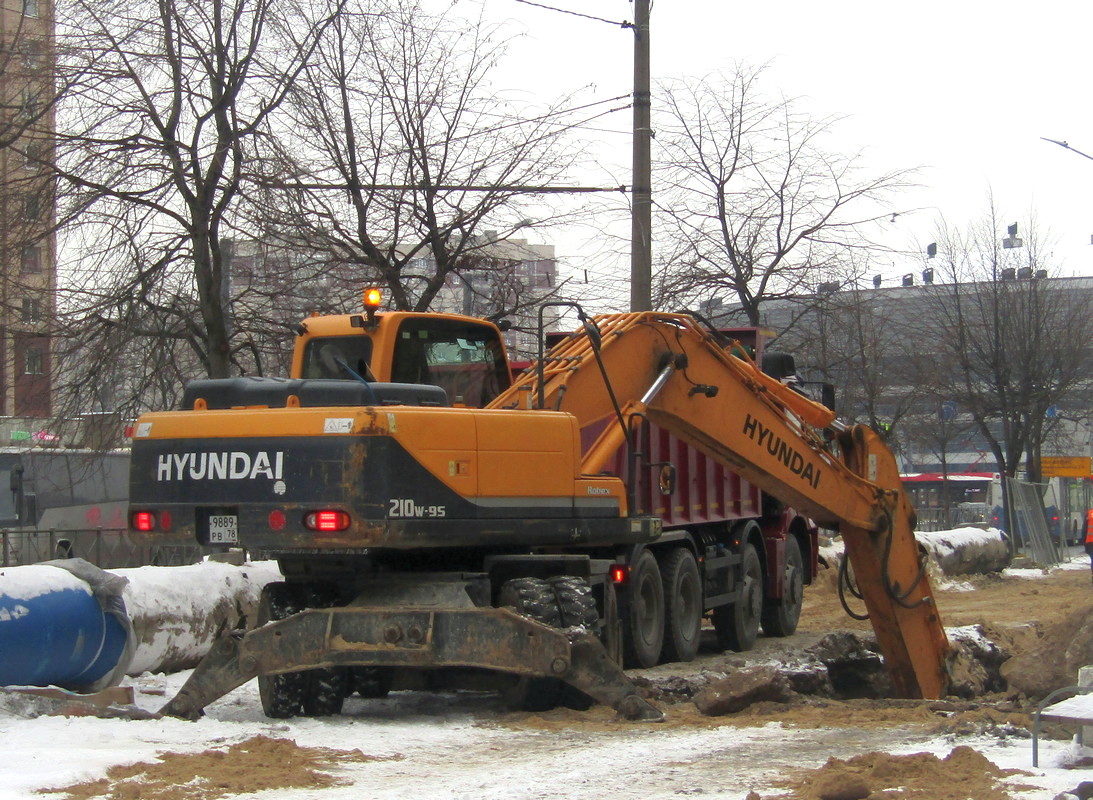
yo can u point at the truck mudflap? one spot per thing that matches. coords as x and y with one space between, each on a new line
489 638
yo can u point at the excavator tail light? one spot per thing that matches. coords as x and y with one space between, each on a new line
326 521
143 521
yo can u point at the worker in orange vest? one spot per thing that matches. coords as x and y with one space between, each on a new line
1089 535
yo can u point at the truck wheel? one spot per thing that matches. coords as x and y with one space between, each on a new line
282 695
611 629
682 605
737 625
535 599
645 613
780 618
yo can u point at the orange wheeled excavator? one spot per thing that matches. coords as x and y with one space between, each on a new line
439 523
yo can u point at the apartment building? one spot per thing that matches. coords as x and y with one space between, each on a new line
516 277
270 287
27 243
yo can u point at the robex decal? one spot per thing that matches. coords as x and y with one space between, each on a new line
225 465
784 452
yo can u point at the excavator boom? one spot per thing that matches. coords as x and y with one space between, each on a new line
723 404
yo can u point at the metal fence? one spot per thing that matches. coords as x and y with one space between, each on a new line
108 548
931 519
959 515
1031 532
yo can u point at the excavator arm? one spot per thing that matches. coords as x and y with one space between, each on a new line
680 377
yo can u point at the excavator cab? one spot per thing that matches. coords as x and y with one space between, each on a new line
465 356
334 357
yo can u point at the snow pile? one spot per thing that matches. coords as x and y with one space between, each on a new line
176 611
962 551
33 581
965 551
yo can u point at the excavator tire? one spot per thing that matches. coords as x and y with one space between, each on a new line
577 605
535 599
737 625
682 605
282 695
371 682
780 617
645 614
312 692
326 688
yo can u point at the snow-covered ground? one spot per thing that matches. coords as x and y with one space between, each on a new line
452 746
464 745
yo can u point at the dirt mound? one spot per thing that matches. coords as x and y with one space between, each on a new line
254 765
962 774
841 664
1053 661
742 689
993 600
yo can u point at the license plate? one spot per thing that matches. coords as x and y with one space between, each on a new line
223 529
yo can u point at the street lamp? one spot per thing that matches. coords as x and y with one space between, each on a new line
1011 241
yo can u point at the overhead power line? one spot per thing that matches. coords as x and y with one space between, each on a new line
1067 146
623 24
443 187
516 123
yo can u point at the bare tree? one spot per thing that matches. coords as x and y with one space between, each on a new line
750 201
1008 344
851 337
428 166
157 141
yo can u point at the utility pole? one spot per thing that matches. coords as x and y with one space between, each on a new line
641 233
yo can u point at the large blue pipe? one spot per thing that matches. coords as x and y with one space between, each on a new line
57 629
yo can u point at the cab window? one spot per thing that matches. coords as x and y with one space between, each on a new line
467 361
334 356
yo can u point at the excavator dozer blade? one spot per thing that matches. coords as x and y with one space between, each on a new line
495 639
217 674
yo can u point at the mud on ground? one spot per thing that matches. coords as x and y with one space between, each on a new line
1047 619
1020 614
